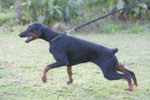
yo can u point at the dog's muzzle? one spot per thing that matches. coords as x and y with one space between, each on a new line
28 38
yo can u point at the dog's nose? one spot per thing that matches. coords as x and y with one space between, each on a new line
19 35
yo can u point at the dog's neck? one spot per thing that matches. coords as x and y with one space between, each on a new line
49 34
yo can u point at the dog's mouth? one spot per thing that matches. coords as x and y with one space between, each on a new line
29 38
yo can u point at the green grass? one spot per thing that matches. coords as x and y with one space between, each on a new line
21 67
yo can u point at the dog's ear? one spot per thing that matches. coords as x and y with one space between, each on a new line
40 29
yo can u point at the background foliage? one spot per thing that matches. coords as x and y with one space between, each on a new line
47 11
75 12
139 11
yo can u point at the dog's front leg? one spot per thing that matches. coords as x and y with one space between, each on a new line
69 71
45 70
51 66
61 60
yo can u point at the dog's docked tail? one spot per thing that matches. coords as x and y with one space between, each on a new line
115 50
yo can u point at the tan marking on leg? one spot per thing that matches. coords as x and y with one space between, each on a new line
130 88
124 70
45 70
69 72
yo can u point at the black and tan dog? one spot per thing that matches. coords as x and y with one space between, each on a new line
69 51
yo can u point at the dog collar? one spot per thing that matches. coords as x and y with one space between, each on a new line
60 35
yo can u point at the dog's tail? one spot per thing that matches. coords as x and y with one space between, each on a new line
115 50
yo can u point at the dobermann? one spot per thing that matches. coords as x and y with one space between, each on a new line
69 51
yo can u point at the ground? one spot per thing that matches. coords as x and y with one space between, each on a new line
21 67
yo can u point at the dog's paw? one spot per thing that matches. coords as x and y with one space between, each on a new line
134 85
69 82
44 79
129 89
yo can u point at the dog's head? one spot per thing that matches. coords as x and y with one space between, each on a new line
34 31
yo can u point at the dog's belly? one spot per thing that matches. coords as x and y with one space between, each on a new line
77 61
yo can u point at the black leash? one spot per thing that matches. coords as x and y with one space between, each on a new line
112 13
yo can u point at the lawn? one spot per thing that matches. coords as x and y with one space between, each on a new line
21 67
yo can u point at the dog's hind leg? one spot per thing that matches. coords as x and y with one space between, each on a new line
122 69
117 76
69 71
110 73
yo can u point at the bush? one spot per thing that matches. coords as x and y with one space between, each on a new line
6 3
5 17
139 11
45 11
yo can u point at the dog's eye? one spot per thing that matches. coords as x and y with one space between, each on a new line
30 29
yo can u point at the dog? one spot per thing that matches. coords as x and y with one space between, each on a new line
69 51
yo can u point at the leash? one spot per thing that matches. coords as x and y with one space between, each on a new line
112 13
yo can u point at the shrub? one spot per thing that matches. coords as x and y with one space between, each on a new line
45 11
138 11
4 17
6 3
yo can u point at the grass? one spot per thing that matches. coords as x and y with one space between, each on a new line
21 66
